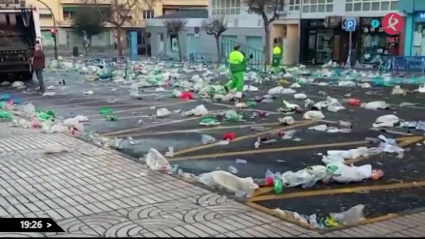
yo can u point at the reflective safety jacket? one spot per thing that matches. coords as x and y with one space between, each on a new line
277 51
237 62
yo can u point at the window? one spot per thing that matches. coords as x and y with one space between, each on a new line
280 7
68 15
370 5
226 7
317 6
168 11
128 18
44 16
148 14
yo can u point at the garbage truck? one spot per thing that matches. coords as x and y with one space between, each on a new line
19 32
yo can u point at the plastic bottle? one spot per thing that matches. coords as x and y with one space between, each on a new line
278 186
270 181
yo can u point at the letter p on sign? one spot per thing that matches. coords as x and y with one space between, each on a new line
350 25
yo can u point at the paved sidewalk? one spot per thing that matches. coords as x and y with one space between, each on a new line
95 192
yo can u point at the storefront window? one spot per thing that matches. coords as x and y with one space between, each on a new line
418 46
375 43
324 47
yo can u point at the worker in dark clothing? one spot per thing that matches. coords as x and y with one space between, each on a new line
38 65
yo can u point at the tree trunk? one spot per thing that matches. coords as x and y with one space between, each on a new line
178 47
217 42
267 53
119 45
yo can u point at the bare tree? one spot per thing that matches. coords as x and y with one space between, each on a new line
120 13
174 28
269 11
215 27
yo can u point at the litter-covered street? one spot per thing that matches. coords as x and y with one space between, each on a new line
321 147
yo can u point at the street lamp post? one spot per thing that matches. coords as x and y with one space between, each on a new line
54 27
299 31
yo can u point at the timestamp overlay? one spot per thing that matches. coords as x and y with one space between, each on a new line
29 225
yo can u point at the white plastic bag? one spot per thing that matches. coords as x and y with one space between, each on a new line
351 216
29 109
232 183
288 120
157 162
300 96
162 112
386 121
374 105
346 174
305 177
49 93
207 139
70 122
313 114
227 97
81 118
200 110
288 91
275 90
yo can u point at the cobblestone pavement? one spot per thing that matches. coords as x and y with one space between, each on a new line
94 192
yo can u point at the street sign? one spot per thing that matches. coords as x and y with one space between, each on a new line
350 24
393 23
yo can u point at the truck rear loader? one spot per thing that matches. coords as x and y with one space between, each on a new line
19 32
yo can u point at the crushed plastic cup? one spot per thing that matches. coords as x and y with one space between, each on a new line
106 111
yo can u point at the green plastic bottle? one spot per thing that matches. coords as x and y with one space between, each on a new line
278 186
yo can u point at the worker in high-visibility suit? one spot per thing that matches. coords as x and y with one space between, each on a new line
237 62
277 57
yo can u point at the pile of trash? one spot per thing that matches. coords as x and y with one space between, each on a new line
219 179
352 216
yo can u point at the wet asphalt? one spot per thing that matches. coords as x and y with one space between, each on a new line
184 133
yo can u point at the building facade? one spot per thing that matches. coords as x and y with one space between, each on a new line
415 27
63 11
311 30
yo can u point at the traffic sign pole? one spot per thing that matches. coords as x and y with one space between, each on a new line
350 27
350 45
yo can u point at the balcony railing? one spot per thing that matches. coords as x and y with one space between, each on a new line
81 2
184 3
68 22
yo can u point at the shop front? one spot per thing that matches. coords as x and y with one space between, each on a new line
416 45
320 41
414 26
375 43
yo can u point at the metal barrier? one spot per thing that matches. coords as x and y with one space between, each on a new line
403 63
195 58
108 62
166 57
227 47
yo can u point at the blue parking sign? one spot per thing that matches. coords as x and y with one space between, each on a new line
350 24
